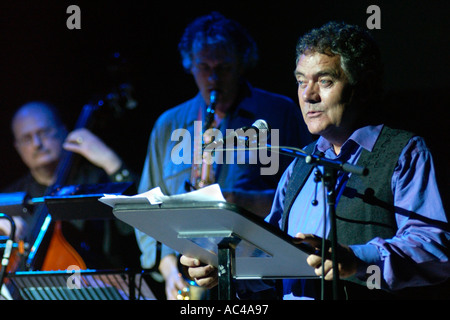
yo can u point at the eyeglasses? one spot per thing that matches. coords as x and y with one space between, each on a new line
42 134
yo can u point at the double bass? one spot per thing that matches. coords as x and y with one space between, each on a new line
49 248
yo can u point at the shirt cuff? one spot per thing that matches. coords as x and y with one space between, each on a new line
368 254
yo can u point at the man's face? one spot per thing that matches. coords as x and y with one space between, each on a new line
324 94
37 139
215 70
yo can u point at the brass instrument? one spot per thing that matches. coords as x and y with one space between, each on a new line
202 175
207 176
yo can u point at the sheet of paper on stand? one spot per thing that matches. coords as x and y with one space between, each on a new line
155 196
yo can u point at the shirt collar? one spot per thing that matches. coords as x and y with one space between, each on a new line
364 137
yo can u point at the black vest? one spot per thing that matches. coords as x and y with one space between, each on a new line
366 208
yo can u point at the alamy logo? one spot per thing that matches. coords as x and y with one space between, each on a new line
374 20
247 147
374 279
74 20
74 280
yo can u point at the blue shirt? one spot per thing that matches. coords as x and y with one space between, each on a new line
160 171
416 246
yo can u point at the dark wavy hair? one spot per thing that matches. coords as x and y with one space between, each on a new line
360 55
218 32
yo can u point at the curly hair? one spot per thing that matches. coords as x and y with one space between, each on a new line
360 55
217 32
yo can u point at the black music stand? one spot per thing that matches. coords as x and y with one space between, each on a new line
15 203
238 243
67 202
73 202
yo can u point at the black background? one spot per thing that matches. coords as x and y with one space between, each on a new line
40 58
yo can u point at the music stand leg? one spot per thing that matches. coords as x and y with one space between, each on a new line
131 285
226 260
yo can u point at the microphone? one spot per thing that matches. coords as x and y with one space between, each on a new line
259 126
212 102
213 97
210 110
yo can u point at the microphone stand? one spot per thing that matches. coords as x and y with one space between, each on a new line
329 178
8 248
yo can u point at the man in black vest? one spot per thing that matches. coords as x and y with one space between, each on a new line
391 226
